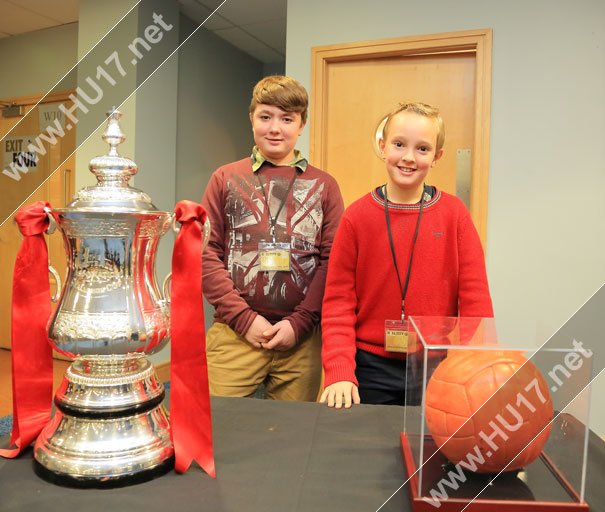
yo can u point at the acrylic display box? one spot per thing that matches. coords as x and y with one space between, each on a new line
487 404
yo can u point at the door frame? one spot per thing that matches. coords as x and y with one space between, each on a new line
477 41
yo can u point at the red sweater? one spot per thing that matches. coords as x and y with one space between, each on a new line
308 220
448 275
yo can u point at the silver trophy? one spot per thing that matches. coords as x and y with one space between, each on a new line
110 427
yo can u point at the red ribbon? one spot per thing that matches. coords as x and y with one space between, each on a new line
190 416
31 353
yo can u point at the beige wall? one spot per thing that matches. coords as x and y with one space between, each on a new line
33 63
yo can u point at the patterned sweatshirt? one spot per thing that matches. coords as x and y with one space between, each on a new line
448 276
237 208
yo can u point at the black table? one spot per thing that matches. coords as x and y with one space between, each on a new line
270 456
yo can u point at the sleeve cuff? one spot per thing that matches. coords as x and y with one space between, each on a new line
338 373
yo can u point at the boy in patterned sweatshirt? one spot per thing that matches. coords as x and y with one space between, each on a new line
273 218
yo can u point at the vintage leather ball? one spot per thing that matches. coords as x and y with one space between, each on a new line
502 421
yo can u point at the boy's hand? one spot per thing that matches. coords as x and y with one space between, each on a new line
254 334
341 394
281 336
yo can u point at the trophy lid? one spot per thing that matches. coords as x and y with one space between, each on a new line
112 191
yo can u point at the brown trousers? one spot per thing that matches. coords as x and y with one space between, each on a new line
235 368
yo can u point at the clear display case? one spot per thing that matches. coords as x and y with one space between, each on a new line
493 425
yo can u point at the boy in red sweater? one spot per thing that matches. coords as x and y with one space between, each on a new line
403 249
273 219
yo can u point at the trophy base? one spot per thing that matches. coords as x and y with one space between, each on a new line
110 428
66 480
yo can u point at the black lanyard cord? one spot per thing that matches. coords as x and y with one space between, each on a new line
273 220
404 288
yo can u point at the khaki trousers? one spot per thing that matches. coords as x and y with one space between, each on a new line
235 368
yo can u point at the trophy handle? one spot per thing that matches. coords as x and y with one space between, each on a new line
206 236
52 223
207 228
166 287
55 274
52 226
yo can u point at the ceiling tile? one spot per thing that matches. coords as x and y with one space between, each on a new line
17 20
241 12
212 4
249 44
63 11
198 13
268 55
273 33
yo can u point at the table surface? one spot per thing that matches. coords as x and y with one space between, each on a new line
270 456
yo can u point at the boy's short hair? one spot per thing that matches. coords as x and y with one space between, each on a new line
281 91
422 109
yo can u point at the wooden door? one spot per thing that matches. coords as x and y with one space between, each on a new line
355 85
52 180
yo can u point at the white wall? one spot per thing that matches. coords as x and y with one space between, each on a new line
546 236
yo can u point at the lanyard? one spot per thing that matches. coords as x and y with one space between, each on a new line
273 220
404 288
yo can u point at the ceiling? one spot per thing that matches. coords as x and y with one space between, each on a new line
257 27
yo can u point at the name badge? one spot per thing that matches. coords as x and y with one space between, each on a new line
274 256
396 336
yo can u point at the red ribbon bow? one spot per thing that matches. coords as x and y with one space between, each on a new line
31 354
190 417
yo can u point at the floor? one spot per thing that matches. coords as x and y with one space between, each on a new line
6 395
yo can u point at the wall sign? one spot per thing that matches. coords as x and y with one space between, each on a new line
48 113
15 151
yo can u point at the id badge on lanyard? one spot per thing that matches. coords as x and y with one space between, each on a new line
397 336
274 256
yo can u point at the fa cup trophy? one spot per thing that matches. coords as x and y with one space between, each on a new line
110 426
